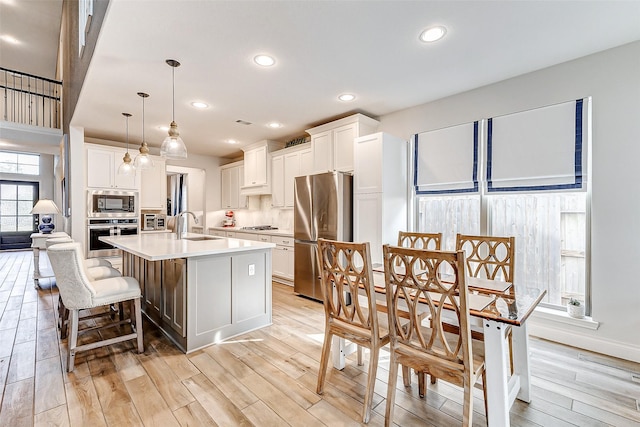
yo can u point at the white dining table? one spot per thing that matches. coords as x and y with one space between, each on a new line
503 310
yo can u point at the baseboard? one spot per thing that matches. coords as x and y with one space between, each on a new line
573 338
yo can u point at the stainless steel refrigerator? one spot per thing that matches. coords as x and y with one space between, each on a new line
323 208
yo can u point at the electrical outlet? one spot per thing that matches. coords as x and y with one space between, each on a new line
252 269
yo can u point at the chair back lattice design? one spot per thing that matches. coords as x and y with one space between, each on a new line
413 277
348 266
488 257
431 241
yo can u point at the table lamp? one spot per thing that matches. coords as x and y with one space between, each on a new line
44 208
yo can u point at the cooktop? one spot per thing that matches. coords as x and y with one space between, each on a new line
260 227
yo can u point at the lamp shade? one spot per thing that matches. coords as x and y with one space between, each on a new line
44 207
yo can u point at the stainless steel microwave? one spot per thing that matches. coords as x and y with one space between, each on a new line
112 204
153 221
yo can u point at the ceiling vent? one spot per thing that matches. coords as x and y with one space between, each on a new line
243 122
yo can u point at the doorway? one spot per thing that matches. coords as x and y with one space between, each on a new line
17 198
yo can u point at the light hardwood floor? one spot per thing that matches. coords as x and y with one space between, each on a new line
263 378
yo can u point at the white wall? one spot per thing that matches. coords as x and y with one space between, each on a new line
612 79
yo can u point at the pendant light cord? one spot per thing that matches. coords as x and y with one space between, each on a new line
173 85
143 119
127 134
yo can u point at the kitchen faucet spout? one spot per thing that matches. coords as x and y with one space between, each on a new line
179 222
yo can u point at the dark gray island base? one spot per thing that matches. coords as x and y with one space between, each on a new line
200 292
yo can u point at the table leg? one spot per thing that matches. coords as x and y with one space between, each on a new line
521 361
496 363
338 352
36 267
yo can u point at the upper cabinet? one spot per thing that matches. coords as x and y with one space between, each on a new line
257 167
153 185
102 168
287 165
332 143
231 179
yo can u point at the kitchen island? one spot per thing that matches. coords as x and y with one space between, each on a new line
200 290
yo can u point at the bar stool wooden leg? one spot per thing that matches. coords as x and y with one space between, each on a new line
138 312
73 339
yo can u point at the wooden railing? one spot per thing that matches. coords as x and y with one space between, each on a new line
29 99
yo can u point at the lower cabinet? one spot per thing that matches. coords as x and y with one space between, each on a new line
283 259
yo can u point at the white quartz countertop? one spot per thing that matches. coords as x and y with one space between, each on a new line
159 246
278 232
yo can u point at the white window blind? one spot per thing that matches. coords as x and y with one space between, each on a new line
446 160
540 149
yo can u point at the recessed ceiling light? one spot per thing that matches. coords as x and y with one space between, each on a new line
274 125
231 141
346 97
9 39
164 128
264 60
433 34
199 104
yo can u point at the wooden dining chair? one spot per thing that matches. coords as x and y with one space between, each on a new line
346 266
488 257
413 283
416 240
493 258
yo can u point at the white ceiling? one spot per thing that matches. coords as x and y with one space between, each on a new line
36 26
322 49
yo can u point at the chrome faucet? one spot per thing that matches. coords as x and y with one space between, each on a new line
179 222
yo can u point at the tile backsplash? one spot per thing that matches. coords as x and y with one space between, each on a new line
259 212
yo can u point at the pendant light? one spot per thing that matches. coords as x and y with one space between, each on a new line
173 147
127 167
143 160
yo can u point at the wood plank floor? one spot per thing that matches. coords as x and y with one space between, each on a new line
263 378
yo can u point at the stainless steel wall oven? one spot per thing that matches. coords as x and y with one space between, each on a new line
108 227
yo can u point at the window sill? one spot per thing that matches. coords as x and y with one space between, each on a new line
562 317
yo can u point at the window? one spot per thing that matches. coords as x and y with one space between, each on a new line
16 201
19 163
533 186
550 231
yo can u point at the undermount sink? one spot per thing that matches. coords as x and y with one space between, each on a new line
199 238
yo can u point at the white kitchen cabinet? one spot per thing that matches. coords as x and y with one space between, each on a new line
283 259
332 143
306 162
277 181
153 186
291 170
231 178
287 164
242 235
217 233
257 167
380 191
256 172
368 223
102 168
